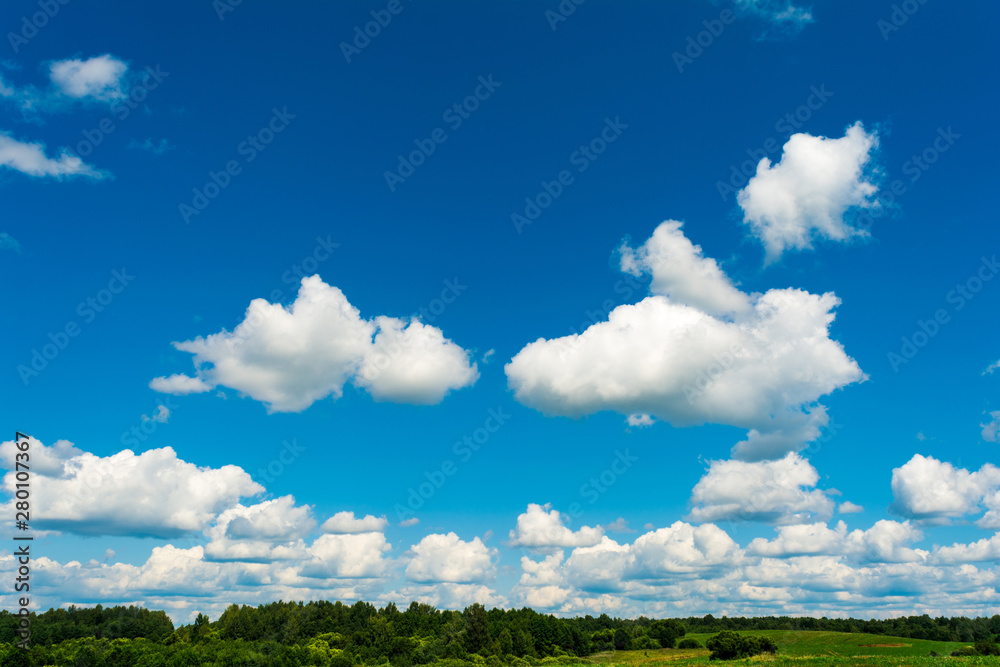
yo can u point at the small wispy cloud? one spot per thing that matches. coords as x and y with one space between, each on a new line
151 146
8 242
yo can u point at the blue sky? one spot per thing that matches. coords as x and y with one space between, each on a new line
583 268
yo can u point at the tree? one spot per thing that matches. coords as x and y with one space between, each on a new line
477 634
666 632
506 642
622 640
730 645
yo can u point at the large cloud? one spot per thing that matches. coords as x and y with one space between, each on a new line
270 530
762 370
541 527
773 491
447 558
151 494
288 358
808 193
934 491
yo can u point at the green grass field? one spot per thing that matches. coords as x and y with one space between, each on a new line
812 649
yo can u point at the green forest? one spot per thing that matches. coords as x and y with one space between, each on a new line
332 634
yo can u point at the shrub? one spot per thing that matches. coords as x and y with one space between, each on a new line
964 651
729 645
688 642
987 648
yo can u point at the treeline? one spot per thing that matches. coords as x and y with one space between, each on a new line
945 629
332 634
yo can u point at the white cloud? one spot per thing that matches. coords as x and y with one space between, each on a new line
359 555
47 461
763 371
453 596
270 530
682 273
991 430
807 539
406 523
934 491
984 550
344 522
446 558
992 367
806 195
100 77
682 549
30 159
778 491
152 494
541 527
640 420
847 507
619 525
288 358
179 385
162 415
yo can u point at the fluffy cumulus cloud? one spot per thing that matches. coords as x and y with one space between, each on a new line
780 491
885 542
151 494
361 555
447 558
542 527
99 77
268 531
809 193
290 357
30 158
682 273
934 491
345 523
763 368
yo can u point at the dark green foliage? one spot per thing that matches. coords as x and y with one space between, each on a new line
667 631
333 634
987 647
729 645
688 642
